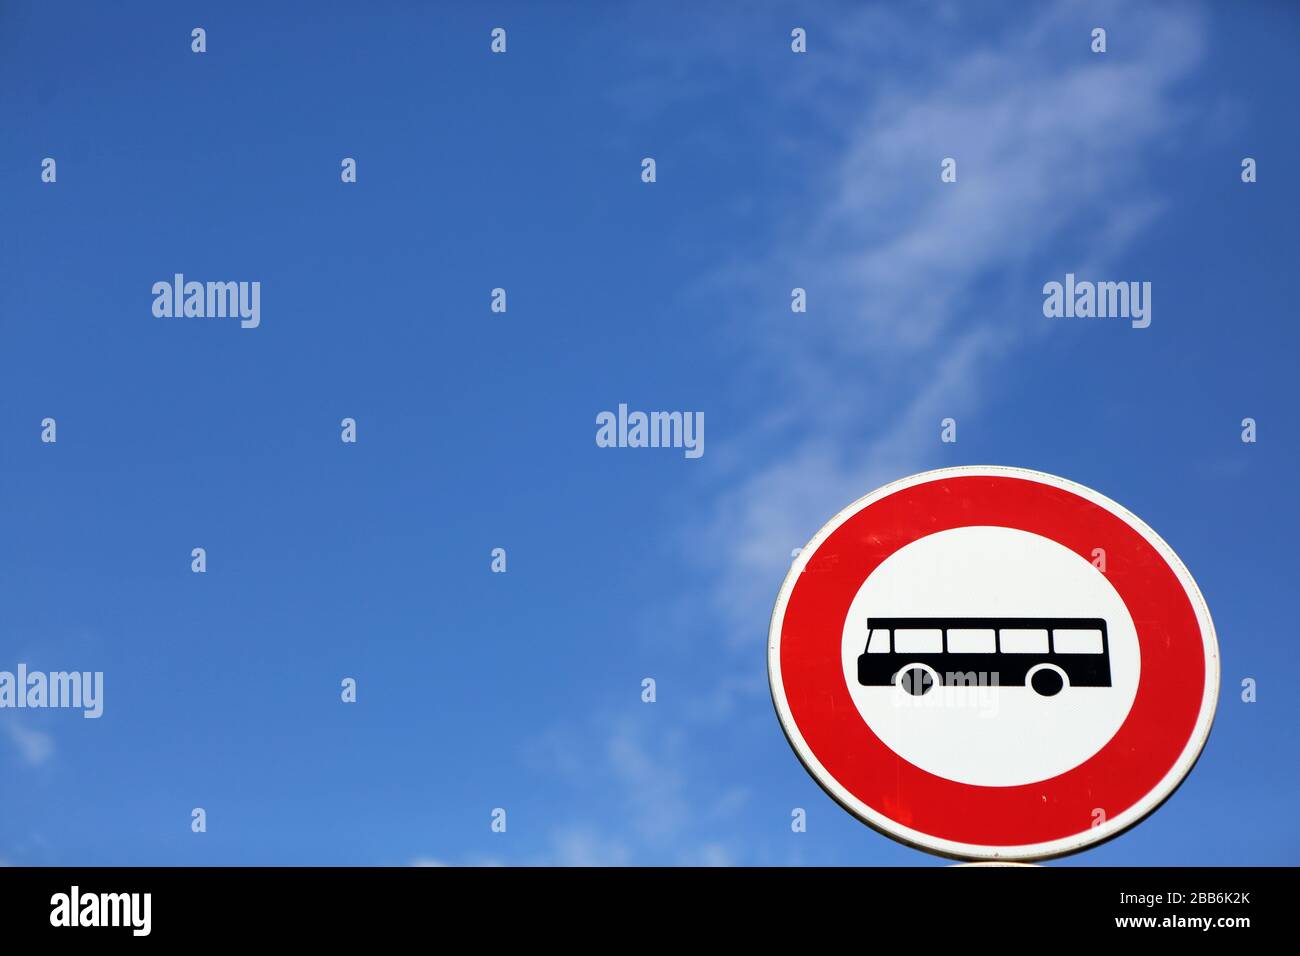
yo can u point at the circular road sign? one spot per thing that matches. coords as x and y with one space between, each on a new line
993 663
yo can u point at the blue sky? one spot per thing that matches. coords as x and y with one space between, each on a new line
475 430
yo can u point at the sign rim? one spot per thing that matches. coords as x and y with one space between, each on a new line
1061 846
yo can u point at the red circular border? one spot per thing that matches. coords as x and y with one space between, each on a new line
1152 738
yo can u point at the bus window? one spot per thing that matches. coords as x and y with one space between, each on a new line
1028 640
971 640
878 643
1077 640
918 640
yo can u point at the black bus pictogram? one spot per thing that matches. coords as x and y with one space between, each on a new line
1043 653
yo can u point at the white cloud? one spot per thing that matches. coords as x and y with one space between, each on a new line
649 810
430 861
908 278
649 780
35 747
586 846
711 854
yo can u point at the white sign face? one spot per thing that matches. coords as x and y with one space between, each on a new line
993 663
968 726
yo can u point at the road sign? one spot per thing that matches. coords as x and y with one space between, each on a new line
993 663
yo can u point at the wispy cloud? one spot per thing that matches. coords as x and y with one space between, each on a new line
587 846
35 747
641 766
649 811
429 861
911 281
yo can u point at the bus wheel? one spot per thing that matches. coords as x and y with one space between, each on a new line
1047 681
916 680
